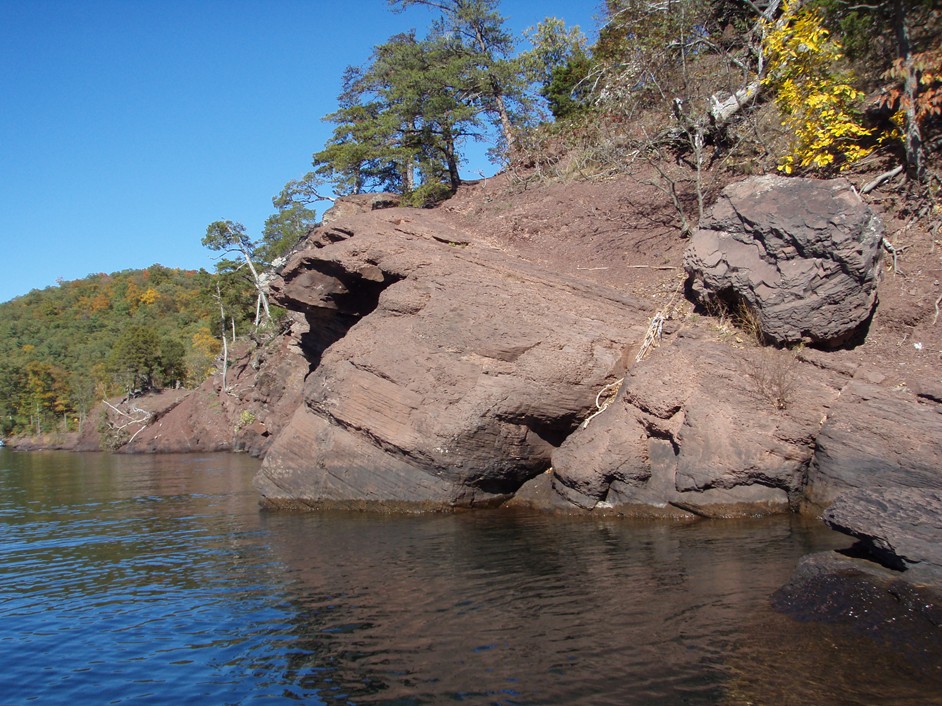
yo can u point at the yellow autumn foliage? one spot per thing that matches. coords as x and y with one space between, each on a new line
816 102
149 296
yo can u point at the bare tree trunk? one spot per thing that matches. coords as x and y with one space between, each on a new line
506 126
915 156
225 345
259 287
451 158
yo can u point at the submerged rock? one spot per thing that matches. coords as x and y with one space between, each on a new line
873 601
802 254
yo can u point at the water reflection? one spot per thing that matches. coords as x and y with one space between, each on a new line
157 579
528 609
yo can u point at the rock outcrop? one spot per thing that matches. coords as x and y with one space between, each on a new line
446 373
347 206
802 254
878 467
698 428
876 437
900 528
889 584
263 389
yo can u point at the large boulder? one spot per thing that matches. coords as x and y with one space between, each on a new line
444 373
700 428
801 254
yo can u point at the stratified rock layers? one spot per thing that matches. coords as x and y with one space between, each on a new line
877 438
446 374
692 431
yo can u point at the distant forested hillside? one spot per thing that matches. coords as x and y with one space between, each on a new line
64 348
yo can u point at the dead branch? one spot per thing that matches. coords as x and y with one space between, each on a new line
600 405
722 111
886 176
653 335
936 317
142 418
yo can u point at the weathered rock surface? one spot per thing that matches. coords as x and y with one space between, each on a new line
693 431
801 253
446 372
900 528
347 206
877 437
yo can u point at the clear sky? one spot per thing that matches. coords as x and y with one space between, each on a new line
127 126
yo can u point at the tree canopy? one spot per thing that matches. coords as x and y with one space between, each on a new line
404 117
66 347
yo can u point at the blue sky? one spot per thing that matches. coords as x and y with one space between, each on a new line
127 126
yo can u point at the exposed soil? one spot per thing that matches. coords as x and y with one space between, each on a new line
625 232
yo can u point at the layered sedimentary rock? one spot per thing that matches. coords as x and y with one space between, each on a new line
444 373
900 528
889 584
802 254
877 437
700 428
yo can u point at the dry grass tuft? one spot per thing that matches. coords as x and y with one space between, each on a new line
773 374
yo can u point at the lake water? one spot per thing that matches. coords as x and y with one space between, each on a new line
130 580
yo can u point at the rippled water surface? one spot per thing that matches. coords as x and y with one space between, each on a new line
158 580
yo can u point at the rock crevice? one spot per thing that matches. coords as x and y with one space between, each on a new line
457 381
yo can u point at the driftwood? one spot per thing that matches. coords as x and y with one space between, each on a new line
140 416
602 404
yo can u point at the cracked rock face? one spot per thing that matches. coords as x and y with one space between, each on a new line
802 254
443 373
692 433
876 437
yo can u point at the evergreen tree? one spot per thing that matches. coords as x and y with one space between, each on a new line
559 63
401 120
476 30
136 357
